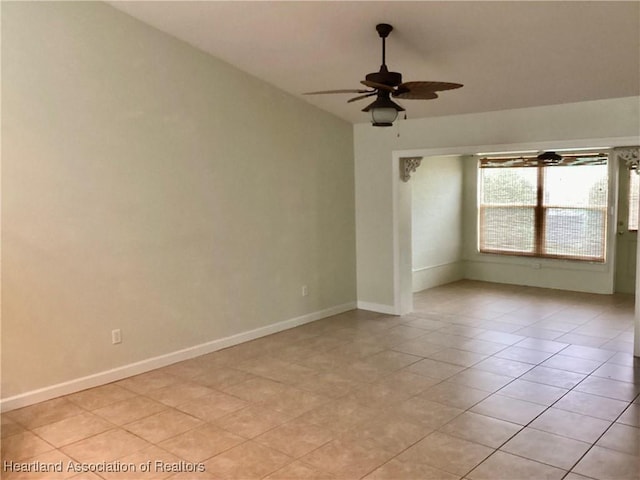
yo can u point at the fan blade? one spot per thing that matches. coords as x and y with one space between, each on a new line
428 86
379 86
415 95
337 91
361 97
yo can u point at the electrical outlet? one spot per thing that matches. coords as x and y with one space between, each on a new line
116 336
305 290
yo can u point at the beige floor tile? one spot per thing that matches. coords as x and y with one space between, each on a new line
361 370
256 389
435 369
481 429
606 387
592 405
572 364
605 464
462 330
222 377
509 409
631 416
398 470
429 415
443 339
130 410
147 382
201 443
619 372
501 337
361 347
392 360
72 429
212 406
553 377
533 392
99 397
293 401
458 357
392 432
340 415
9 427
454 395
543 345
525 355
276 369
504 366
481 379
22 446
251 421
407 382
299 470
451 454
482 346
569 424
247 461
378 396
346 459
163 425
329 384
533 331
295 438
419 347
623 438
575 476
45 412
561 452
504 466
105 447
179 393
590 353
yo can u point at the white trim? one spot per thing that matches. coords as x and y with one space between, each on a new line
108 376
431 267
377 307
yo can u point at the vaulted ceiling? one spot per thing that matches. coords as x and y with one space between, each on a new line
507 54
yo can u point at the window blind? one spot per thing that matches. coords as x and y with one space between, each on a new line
534 208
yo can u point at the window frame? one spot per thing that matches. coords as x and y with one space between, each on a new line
540 210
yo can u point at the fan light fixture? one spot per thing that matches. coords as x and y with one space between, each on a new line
384 111
550 158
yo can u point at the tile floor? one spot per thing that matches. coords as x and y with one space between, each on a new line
482 381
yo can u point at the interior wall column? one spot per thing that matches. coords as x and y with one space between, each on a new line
629 157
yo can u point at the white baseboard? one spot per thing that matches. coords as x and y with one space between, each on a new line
378 307
432 276
115 374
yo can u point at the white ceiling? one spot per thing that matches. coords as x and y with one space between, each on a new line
507 54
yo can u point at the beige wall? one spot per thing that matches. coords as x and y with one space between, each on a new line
436 218
149 187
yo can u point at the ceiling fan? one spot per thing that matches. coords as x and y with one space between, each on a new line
385 84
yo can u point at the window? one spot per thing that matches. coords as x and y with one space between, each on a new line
534 208
634 193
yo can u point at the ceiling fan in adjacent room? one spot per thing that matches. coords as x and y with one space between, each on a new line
385 84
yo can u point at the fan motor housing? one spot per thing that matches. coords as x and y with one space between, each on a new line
393 79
